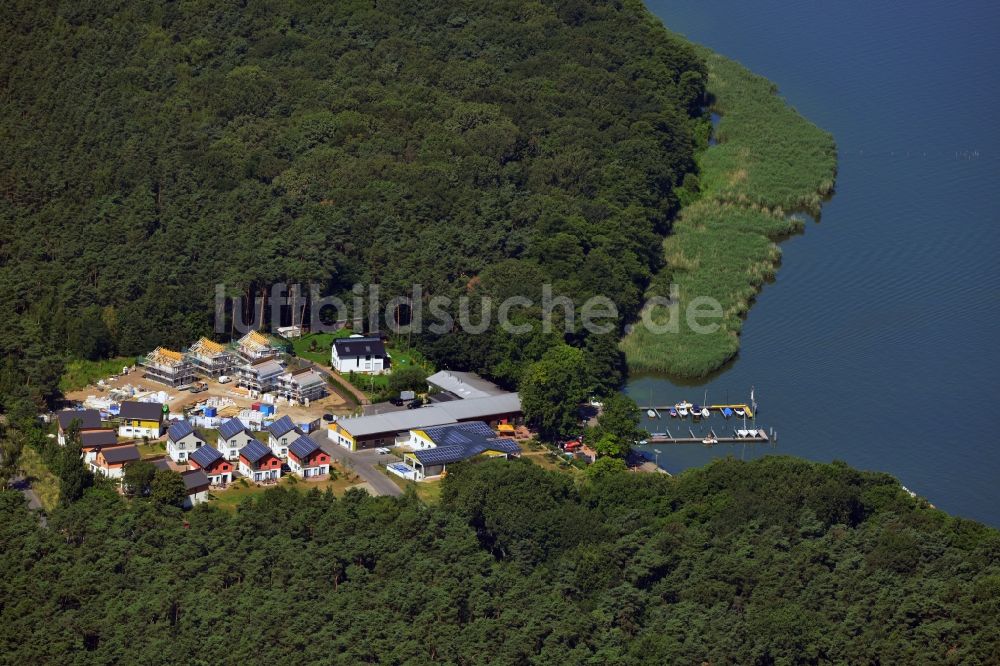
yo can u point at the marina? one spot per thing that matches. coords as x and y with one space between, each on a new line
700 414
739 436
821 339
685 409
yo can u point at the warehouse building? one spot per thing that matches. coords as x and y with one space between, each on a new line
366 432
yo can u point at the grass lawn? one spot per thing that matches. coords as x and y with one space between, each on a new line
551 461
373 385
319 352
370 384
429 492
43 482
152 450
405 358
231 497
315 347
79 374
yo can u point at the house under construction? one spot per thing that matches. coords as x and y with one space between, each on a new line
168 367
256 345
211 358
302 385
260 376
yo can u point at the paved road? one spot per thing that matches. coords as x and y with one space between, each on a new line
21 484
342 384
365 464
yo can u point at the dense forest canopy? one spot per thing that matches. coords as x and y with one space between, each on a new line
777 561
153 150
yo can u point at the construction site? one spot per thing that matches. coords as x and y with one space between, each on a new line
251 379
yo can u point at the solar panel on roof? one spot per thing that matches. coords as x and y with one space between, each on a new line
461 441
231 428
504 445
180 430
466 434
205 455
254 451
303 447
443 455
281 426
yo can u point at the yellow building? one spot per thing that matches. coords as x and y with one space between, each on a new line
141 419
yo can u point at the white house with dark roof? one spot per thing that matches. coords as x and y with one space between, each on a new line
86 420
196 485
280 434
359 354
182 440
233 436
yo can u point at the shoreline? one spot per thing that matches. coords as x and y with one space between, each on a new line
764 166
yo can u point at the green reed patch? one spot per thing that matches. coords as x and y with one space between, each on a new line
769 161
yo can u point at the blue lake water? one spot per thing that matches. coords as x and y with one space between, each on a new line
877 344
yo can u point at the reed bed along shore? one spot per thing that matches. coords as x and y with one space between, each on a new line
769 162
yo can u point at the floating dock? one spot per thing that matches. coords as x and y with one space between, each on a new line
758 436
711 408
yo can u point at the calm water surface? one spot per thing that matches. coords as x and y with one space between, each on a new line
877 343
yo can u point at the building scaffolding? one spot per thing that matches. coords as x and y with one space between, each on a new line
302 385
210 358
169 367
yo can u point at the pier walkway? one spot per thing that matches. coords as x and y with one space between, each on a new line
753 436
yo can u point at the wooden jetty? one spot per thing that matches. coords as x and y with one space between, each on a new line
760 436
712 408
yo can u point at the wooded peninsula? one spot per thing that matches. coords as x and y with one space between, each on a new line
154 150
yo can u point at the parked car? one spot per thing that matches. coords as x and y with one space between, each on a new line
383 450
225 379
396 401
328 418
413 404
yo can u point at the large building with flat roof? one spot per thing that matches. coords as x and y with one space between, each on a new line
463 385
367 432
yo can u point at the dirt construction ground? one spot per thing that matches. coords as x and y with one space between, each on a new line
178 400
